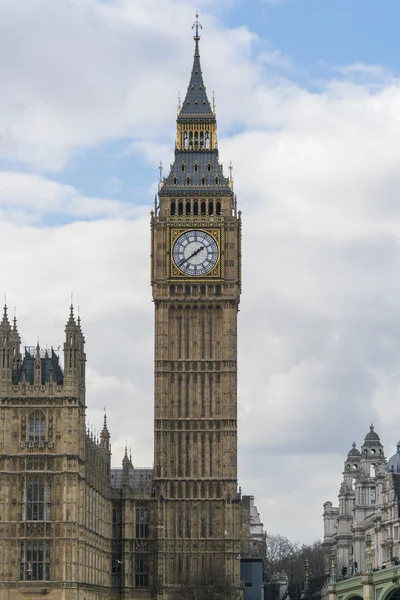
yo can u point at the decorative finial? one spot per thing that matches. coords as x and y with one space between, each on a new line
213 101
196 25
371 427
5 307
230 170
105 416
160 168
354 444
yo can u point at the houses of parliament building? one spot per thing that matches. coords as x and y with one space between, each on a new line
71 526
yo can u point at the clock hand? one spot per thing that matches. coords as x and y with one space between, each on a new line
191 256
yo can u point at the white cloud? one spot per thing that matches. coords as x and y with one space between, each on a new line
317 178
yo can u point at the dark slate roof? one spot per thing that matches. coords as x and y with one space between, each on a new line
354 451
140 480
50 367
196 101
189 159
371 436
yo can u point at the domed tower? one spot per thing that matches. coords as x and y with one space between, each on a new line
346 505
368 489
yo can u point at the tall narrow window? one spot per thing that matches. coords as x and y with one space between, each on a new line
36 500
210 520
188 207
196 208
179 337
203 208
179 395
141 570
187 521
190 140
211 455
211 334
196 140
180 208
201 140
35 561
203 521
116 523
187 336
180 470
187 396
37 427
203 402
207 140
187 455
180 519
142 522
210 395
173 207
185 140
203 443
218 207
116 570
211 207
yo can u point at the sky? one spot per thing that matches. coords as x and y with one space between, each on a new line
308 107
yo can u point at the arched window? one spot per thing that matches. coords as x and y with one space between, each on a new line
187 180
172 290
173 207
196 167
203 208
216 180
37 427
218 207
202 290
180 208
196 140
188 207
203 181
190 140
211 207
175 180
182 167
35 561
209 167
195 208
187 290
217 290
185 140
207 140
201 140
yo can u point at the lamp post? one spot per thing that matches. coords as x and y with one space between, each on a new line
368 561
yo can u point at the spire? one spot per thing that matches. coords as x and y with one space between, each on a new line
5 322
196 101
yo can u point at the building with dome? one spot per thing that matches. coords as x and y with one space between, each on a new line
365 524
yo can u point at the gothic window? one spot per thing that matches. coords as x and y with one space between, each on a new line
35 561
173 208
209 167
191 140
187 456
203 454
203 181
210 520
116 570
196 168
179 519
201 140
211 456
218 209
37 427
202 290
195 208
180 208
141 570
187 180
187 521
217 290
116 522
185 141
142 522
207 140
211 207
216 180
203 208
196 140
188 203
180 469
172 290
203 522
36 500
175 180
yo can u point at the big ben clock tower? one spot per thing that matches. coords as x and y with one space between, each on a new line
196 280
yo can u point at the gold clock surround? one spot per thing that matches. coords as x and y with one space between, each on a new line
217 272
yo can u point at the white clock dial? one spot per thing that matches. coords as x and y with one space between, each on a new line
195 252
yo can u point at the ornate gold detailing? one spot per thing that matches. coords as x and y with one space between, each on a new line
172 270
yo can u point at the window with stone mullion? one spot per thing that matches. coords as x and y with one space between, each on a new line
36 499
35 561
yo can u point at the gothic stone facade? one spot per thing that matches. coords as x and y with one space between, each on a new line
73 528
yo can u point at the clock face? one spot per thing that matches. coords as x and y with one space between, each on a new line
195 252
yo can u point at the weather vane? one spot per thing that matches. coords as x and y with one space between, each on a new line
196 26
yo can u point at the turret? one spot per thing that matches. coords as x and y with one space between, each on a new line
10 345
74 356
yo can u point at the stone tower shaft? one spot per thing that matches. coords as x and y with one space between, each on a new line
196 281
